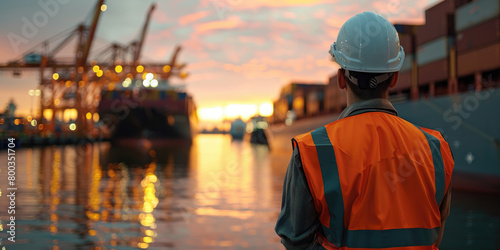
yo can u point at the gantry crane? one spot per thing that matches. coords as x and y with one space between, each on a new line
72 85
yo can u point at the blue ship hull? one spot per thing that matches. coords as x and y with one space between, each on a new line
470 122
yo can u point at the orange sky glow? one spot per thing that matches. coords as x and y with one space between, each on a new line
239 53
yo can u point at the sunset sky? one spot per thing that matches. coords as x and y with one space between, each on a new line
237 51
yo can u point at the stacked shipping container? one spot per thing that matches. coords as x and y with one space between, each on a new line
304 99
456 49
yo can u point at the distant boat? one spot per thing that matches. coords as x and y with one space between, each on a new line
259 126
238 128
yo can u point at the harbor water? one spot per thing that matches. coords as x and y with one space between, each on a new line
214 194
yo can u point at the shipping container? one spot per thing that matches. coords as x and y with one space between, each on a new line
313 106
484 59
433 72
432 51
407 63
475 13
437 22
404 82
480 35
33 58
406 41
335 99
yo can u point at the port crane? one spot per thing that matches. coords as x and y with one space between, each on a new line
75 84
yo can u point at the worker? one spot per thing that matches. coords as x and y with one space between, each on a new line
370 179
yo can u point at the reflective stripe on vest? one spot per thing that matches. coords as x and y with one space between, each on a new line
333 192
335 233
437 159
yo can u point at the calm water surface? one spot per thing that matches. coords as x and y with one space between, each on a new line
214 194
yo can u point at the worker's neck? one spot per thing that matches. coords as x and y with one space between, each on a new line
351 98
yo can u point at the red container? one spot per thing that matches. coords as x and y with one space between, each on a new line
479 60
479 35
436 22
404 81
406 41
433 72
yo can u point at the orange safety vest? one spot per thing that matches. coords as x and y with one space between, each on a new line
377 181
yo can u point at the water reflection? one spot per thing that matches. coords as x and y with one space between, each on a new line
214 194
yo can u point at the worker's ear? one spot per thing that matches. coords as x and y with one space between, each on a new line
340 79
394 80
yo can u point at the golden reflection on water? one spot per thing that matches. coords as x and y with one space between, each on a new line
101 197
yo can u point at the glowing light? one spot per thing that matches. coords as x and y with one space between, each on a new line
16 121
88 115
127 82
40 126
57 101
154 83
111 86
118 68
142 245
72 127
70 115
96 117
139 69
211 114
149 76
166 68
68 84
104 7
55 76
249 127
99 73
147 239
95 68
146 83
288 122
29 118
33 123
245 111
81 83
47 114
266 109
31 92
183 75
38 92
262 125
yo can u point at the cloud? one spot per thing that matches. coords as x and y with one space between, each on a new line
240 4
230 23
193 17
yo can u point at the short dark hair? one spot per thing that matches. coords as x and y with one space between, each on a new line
364 92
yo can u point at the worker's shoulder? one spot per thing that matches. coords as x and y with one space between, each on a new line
434 133
307 138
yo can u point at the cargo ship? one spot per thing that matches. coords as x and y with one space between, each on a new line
163 113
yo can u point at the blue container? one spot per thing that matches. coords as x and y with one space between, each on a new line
432 51
475 13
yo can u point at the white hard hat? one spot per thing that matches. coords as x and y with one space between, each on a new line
368 43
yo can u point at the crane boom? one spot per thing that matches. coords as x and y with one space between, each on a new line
90 38
138 49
